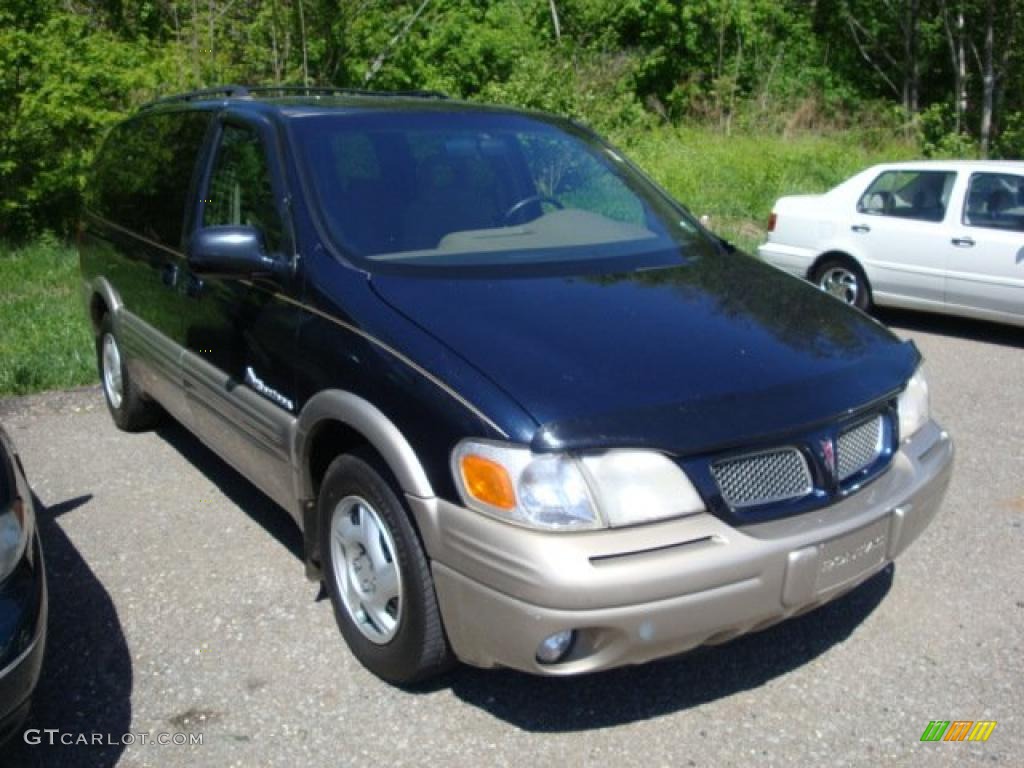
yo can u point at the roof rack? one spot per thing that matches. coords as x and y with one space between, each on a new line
304 90
246 92
223 91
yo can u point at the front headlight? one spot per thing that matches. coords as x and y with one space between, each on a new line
13 537
913 405
565 492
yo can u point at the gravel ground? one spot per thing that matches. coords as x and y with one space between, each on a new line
178 604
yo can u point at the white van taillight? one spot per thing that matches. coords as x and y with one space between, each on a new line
772 218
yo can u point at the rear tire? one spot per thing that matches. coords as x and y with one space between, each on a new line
131 410
843 278
377 574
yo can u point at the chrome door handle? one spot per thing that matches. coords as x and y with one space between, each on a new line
860 228
963 242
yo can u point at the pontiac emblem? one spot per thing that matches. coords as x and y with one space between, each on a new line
828 455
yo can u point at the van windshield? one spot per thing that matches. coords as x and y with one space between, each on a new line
481 189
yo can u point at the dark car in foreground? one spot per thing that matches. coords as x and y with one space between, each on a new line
526 411
22 593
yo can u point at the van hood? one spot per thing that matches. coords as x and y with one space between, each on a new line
721 351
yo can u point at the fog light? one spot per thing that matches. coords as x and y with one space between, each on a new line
556 647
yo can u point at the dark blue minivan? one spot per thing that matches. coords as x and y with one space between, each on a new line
526 411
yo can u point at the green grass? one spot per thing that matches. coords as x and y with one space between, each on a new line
45 341
736 179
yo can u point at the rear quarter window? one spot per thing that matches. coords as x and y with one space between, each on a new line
909 194
143 175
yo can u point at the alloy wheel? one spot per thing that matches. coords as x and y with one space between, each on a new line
113 381
841 283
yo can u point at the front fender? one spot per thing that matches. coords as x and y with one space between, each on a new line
100 287
369 421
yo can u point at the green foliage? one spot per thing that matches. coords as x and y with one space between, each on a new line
1011 140
67 70
61 83
46 342
939 135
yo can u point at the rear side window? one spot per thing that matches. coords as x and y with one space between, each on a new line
920 195
240 189
143 175
996 201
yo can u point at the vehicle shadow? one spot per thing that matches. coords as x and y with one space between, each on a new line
86 682
629 694
949 325
234 486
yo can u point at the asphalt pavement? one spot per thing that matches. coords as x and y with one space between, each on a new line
178 605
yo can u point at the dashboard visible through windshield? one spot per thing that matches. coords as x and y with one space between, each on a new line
480 189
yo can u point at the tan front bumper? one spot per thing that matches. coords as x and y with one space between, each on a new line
650 591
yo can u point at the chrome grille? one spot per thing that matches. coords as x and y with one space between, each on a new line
859 447
760 478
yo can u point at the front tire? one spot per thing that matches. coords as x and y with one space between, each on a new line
377 574
844 279
130 409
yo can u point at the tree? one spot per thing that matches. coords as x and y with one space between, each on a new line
953 24
61 83
887 35
1000 25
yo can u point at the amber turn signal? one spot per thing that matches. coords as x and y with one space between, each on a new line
488 482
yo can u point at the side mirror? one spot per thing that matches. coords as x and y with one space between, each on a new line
232 251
